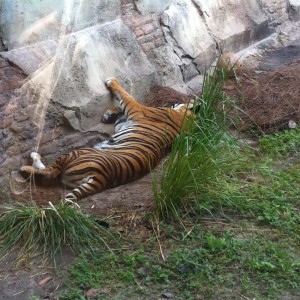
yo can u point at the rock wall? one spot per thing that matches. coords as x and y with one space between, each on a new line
277 11
64 50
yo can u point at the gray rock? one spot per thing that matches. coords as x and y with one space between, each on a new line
294 9
234 25
30 58
74 78
186 31
28 22
152 6
195 85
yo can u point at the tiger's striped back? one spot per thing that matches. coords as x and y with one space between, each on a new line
143 137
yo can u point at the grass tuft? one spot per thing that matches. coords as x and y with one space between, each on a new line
203 150
32 230
281 143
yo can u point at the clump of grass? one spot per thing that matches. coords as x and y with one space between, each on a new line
202 151
281 143
32 230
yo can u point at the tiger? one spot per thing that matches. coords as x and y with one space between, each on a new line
143 136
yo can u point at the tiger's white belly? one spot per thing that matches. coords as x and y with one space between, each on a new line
121 130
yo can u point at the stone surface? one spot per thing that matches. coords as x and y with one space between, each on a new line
294 9
180 38
29 22
30 58
195 85
189 50
152 6
276 11
234 26
74 78
186 30
249 56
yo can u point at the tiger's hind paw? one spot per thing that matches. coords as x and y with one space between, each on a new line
35 155
37 163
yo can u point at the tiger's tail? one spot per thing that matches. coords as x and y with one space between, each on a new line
50 172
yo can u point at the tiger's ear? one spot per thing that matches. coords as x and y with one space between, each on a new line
190 104
194 106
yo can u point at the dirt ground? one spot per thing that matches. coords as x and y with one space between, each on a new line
269 98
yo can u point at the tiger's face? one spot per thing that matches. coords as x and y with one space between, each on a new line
187 108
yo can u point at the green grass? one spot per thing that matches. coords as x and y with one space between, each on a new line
202 153
31 230
212 263
287 142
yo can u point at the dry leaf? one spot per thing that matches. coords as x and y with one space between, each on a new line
93 293
45 280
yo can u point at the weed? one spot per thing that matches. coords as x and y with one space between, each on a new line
281 143
32 230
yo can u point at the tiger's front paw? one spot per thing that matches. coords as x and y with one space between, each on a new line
111 81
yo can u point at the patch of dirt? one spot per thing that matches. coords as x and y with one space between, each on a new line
24 282
268 100
137 195
163 96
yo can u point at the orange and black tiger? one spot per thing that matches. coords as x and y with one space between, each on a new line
143 135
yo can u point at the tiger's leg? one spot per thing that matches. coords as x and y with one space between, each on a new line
111 115
50 172
85 189
128 105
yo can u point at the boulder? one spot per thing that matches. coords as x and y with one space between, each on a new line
186 32
233 24
294 9
31 58
28 22
74 78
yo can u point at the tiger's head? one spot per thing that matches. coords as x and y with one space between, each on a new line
188 108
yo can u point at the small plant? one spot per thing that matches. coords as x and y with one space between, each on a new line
32 230
281 143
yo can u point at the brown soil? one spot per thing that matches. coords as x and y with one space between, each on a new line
268 101
163 96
